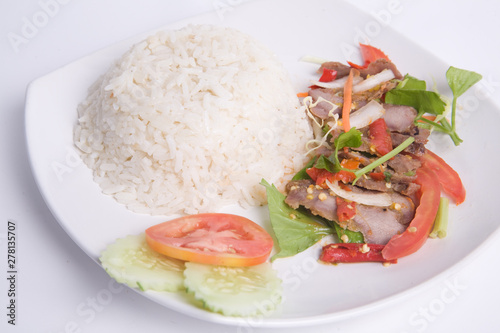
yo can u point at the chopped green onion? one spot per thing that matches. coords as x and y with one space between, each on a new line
382 159
441 221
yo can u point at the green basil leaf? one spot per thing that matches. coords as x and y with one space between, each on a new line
294 231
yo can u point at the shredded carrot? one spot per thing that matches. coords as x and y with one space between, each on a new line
346 109
429 117
303 94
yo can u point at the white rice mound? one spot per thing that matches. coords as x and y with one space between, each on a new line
189 121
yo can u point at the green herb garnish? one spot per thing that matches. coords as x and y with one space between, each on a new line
352 236
412 92
352 139
441 221
294 231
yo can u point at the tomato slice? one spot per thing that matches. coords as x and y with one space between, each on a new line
345 210
212 238
380 137
320 176
448 178
412 239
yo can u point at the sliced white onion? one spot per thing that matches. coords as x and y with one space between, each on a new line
373 81
366 115
339 83
370 199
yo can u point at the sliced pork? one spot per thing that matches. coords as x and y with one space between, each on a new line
373 68
342 70
305 193
328 105
378 224
399 118
404 163
378 66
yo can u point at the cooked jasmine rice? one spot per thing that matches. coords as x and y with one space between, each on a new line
191 120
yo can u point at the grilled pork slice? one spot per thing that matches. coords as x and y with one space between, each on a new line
373 68
404 163
399 118
319 201
342 70
400 169
323 109
378 224
418 146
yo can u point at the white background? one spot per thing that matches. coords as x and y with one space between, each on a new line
60 289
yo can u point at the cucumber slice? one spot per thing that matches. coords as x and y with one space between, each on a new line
234 291
130 260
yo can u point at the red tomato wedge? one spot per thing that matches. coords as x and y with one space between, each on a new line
448 178
380 137
320 176
412 239
345 210
212 238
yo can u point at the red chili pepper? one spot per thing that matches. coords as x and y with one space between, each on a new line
380 137
328 75
353 252
353 65
369 54
346 210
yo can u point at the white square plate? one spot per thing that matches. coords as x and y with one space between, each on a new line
313 293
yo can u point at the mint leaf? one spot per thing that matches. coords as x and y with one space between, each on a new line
293 230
